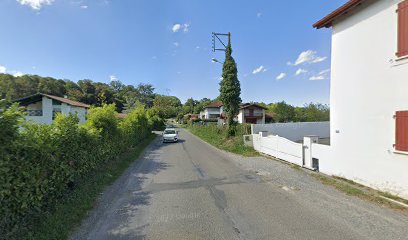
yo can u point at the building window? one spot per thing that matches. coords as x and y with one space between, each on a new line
55 102
34 112
402 29
401 131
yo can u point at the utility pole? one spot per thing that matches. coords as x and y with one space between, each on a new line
218 38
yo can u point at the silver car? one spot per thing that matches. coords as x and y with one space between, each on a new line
170 135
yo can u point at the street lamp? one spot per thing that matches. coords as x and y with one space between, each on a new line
214 60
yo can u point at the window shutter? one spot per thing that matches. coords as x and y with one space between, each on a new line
401 131
402 29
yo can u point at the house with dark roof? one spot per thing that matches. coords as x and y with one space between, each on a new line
251 113
248 113
213 110
368 93
41 108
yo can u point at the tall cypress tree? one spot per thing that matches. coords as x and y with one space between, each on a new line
230 89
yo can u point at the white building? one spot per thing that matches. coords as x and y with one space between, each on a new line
251 113
369 93
212 110
248 113
42 108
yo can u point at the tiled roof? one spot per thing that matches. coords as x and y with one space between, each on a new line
216 104
67 101
37 97
246 105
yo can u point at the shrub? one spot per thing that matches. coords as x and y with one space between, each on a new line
155 121
39 164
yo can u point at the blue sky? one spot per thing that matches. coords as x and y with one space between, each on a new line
168 43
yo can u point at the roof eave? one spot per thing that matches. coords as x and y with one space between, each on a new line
327 21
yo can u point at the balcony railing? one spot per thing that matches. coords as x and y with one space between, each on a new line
254 114
34 113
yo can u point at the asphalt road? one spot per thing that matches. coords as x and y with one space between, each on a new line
191 190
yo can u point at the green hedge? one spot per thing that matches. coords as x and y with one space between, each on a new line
39 164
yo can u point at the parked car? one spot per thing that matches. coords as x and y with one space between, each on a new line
170 135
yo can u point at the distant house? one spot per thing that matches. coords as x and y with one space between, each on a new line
212 110
191 116
368 93
248 113
42 108
251 113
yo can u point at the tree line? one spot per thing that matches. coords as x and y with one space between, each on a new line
311 112
128 97
125 97
280 111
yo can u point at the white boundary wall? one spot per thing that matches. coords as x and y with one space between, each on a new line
306 154
294 131
279 147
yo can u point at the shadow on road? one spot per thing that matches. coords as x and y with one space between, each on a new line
133 202
123 202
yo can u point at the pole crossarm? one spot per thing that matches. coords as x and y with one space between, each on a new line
218 36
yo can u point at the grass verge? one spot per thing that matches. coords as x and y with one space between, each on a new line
59 223
216 136
352 188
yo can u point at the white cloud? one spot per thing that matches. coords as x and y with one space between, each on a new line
18 74
3 69
198 47
259 70
113 78
300 71
258 15
307 57
321 76
84 6
178 26
35 4
324 71
176 44
319 59
281 76
185 27
317 77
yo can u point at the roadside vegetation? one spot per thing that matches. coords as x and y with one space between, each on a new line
352 188
218 137
68 214
48 170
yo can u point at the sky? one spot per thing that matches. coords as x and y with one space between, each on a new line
168 43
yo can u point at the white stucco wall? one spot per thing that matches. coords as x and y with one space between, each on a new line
212 111
240 117
368 86
47 110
